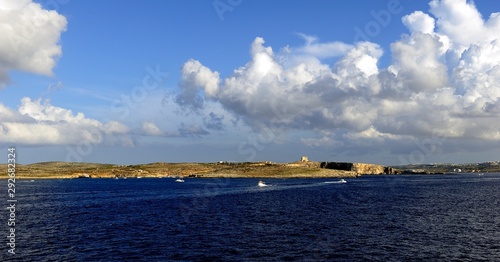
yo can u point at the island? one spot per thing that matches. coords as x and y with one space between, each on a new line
303 168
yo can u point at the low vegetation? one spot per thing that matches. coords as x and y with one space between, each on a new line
299 169
248 169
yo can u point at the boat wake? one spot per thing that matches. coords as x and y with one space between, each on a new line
341 181
234 188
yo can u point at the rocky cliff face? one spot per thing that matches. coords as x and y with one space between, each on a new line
368 169
359 168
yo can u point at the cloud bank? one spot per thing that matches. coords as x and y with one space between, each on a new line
29 38
37 122
443 80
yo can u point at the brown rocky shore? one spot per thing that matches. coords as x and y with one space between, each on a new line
299 169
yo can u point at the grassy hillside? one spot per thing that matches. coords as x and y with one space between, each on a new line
93 170
248 169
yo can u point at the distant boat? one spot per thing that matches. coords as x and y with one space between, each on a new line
261 183
180 180
480 174
342 181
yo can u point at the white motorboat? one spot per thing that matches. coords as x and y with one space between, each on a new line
180 180
342 181
261 183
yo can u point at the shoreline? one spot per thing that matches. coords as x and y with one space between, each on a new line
232 176
72 170
262 170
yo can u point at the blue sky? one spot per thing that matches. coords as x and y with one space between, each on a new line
389 82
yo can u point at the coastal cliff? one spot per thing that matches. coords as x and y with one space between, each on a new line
359 168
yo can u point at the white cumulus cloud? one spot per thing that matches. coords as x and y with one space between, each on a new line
444 80
37 122
29 38
419 21
151 128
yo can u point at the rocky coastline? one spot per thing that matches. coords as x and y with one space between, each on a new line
299 169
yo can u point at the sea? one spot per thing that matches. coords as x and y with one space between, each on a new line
370 218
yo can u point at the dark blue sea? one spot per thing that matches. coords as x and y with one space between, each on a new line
371 218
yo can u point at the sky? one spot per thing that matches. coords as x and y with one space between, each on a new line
391 82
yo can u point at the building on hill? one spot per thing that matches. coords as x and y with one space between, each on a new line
304 159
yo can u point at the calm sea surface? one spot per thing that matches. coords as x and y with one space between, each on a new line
372 218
